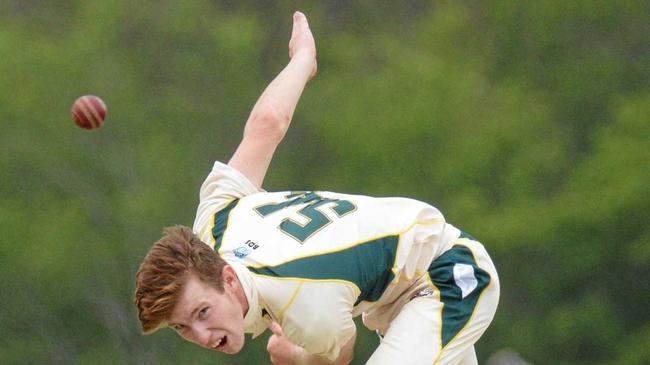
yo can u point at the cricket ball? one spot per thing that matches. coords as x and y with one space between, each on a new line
89 112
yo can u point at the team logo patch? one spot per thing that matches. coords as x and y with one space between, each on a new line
246 249
465 278
242 251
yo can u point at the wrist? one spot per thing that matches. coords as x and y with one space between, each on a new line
305 60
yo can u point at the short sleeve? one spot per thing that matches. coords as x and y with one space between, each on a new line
222 185
320 318
328 343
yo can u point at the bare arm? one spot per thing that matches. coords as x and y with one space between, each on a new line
272 113
284 352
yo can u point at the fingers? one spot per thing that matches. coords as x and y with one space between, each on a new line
275 341
299 23
302 40
295 30
276 329
299 17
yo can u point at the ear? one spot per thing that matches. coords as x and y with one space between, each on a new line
229 277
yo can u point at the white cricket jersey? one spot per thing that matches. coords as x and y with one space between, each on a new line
314 260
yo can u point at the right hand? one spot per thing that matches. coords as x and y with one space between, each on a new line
281 350
302 44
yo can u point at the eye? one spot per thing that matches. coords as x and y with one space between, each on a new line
204 312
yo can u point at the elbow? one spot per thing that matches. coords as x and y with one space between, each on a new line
267 123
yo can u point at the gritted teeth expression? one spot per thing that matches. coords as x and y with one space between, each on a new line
208 318
221 344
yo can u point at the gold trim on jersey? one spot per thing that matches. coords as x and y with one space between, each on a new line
225 229
360 242
293 278
290 301
400 233
301 282
442 307
478 301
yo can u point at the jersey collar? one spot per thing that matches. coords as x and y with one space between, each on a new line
254 322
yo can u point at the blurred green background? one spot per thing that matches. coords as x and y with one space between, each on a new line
526 123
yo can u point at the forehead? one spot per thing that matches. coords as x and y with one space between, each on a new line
194 292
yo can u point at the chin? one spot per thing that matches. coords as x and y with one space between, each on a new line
235 348
232 352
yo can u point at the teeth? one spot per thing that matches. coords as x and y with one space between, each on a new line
219 342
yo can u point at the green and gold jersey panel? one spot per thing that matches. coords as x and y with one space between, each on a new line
368 265
314 314
460 281
221 219
320 235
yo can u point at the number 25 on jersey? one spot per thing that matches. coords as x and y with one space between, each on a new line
315 218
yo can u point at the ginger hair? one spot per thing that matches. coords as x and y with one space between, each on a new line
165 270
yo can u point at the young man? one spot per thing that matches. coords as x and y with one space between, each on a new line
304 264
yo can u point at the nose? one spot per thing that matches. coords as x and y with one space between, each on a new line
200 336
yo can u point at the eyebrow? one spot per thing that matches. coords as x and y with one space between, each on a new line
196 309
191 315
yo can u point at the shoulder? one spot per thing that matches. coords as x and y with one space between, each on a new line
220 191
225 182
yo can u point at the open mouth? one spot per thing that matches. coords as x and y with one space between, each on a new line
221 343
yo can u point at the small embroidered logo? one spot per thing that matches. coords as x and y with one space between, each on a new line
242 251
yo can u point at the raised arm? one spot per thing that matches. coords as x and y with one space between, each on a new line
272 113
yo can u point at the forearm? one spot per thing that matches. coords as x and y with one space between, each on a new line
273 111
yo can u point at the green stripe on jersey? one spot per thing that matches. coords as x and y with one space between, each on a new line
368 265
221 223
464 234
457 310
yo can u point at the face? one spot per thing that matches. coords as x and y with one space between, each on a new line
211 319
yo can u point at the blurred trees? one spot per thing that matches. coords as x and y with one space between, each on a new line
526 123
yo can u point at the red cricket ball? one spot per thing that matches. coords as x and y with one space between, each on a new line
89 112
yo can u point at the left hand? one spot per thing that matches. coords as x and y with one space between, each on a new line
281 350
302 44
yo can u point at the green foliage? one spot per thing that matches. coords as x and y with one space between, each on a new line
525 122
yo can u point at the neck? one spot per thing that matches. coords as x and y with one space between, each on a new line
241 296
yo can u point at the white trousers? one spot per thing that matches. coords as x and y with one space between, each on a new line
442 325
